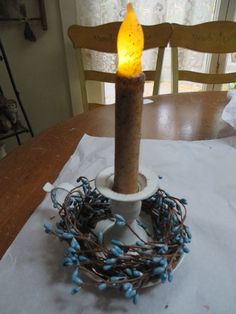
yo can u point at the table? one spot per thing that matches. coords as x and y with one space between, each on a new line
186 116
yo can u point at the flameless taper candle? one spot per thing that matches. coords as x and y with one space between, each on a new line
129 102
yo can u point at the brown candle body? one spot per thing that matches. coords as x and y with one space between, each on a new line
128 118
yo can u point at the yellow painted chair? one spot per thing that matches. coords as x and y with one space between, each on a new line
103 38
217 37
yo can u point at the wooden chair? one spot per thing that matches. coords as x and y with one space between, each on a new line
103 38
211 37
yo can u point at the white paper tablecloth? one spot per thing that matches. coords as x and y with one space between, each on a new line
32 279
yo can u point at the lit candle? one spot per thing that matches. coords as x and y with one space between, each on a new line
129 102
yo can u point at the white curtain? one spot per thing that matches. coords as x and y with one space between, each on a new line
149 12
92 13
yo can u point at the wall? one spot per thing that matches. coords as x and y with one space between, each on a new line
39 68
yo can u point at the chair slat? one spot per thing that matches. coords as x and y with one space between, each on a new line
111 77
100 76
206 78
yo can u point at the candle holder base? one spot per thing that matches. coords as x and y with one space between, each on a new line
125 206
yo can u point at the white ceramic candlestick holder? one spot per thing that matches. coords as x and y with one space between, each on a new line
126 205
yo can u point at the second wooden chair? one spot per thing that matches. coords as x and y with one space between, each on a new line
211 37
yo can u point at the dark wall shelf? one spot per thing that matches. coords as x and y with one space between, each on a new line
16 130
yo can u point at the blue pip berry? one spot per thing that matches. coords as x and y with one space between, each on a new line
186 249
127 286
170 276
110 261
77 280
128 271
187 230
163 262
137 273
130 293
156 259
116 250
75 273
100 237
75 290
119 249
163 277
140 243
75 277
75 259
135 298
83 258
119 217
67 235
164 249
74 244
70 250
158 270
177 238
102 286
107 267
59 232
67 261
120 221
186 239
48 228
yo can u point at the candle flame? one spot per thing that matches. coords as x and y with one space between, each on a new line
130 44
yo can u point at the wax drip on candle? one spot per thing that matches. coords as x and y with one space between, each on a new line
130 43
